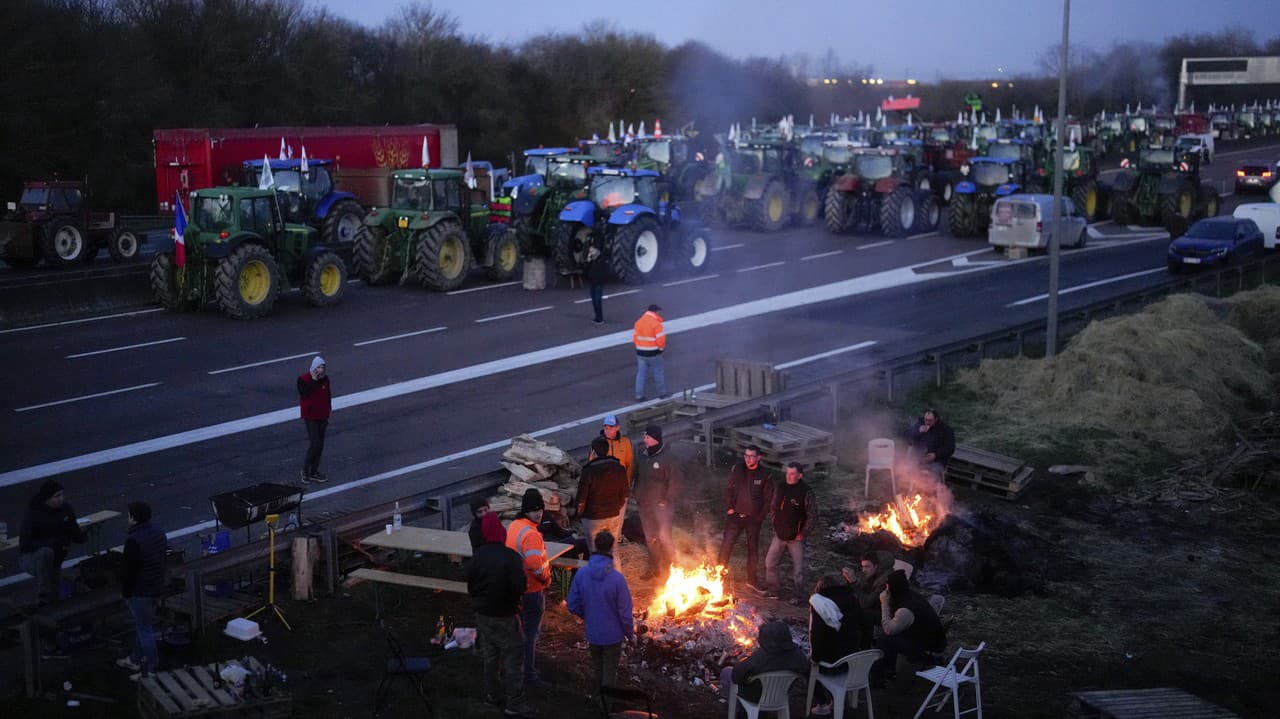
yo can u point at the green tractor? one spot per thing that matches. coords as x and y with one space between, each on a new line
1080 182
433 234
1162 187
674 157
241 255
760 185
535 209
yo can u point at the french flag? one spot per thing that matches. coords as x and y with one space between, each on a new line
179 229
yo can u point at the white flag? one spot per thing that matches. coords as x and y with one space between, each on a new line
426 153
304 159
470 176
284 154
642 128
266 180
612 137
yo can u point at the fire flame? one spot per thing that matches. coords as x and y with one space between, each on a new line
698 595
905 519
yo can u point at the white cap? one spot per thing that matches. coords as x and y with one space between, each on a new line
316 361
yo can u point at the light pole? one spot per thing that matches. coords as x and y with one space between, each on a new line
1051 329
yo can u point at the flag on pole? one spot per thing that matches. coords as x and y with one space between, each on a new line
612 136
304 159
470 176
266 180
284 152
426 154
179 230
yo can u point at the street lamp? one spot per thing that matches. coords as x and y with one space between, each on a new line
1051 325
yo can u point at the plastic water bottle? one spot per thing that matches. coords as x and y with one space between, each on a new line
397 521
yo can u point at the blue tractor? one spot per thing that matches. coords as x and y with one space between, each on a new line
986 178
310 198
630 218
535 170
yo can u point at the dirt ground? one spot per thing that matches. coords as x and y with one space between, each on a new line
1179 595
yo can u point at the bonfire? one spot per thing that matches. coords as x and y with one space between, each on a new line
695 608
911 520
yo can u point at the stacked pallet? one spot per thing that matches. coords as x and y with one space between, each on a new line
535 464
989 472
688 404
783 443
199 691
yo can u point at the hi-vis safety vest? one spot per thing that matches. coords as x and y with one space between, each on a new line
524 537
648 335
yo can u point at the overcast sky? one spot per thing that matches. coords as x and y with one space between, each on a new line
920 38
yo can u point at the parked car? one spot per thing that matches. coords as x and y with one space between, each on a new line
1215 241
1255 176
1027 221
1266 215
1201 143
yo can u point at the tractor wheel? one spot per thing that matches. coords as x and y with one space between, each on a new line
505 255
1210 203
1084 196
948 191
523 228
123 245
65 243
962 216
1122 210
837 211
443 257
810 208
1177 209
928 212
693 255
246 282
898 212
342 224
636 251
769 213
164 281
569 247
325 281
372 256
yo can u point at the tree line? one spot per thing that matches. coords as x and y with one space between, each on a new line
86 81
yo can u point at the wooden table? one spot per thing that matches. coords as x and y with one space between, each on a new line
439 541
90 523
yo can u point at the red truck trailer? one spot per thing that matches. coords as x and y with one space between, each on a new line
197 158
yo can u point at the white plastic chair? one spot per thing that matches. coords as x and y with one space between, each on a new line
880 456
950 679
773 697
845 687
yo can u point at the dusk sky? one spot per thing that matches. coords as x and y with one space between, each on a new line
922 38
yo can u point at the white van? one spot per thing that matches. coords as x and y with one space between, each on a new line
1266 215
1027 221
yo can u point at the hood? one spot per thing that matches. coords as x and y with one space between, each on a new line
775 637
599 565
1201 243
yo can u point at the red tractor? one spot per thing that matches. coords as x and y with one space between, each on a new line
52 221
877 193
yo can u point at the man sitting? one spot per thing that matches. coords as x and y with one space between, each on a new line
835 629
911 627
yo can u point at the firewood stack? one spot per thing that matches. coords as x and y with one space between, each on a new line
538 465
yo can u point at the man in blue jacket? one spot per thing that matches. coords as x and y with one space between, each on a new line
142 580
600 596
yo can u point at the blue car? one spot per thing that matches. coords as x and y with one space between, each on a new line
1215 241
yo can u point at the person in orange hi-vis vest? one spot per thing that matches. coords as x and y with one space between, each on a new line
650 340
524 537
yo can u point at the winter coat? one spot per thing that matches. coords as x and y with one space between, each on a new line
777 653
143 572
598 269
620 449
940 440
828 643
648 336
599 594
868 590
314 397
749 492
523 536
603 489
44 526
495 580
660 476
795 510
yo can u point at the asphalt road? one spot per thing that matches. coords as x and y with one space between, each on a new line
173 408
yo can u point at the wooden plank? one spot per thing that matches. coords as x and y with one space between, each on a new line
154 693
439 541
205 676
409 580
201 697
982 458
1160 703
176 692
569 563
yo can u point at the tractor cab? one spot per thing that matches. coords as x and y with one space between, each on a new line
535 169
567 172
309 196
811 145
1001 175
872 165
1160 158
660 153
604 152
764 157
1012 149
864 137
612 188
49 197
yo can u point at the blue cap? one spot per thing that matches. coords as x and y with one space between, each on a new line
611 420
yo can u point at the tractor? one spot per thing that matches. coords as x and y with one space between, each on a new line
309 198
241 254
605 152
1162 187
1080 182
627 215
760 185
986 178
674 157
535 212
877 192
52 221
433 234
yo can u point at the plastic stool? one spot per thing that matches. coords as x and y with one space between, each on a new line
880 456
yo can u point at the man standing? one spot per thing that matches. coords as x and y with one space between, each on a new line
314 398
600 596
142 579
748 495
795 510
496 582
619 447
603 491
650 340
597 272
523 536
48 529
932 442
661 475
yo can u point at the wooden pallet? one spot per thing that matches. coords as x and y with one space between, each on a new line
1163 703
990 472
778 439
196 691
689 405
745 379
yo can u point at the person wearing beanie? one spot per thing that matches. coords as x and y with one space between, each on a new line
48 529
650 340
479 508
315 401
496 582
660 478
523 536
776 652
142 580
600 595
603 491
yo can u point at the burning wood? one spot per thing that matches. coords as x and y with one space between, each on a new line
910 520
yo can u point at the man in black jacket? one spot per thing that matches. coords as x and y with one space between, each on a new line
597 273
603 491
660 476
835 629
142 579
932 442
48 529
795 511
748 495
496 583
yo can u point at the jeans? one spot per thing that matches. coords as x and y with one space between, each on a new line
315 445
501 648
894 644
531 608
144 653
656 522
592 527
774 556
597 300
43 565
604 663
646 366
734 526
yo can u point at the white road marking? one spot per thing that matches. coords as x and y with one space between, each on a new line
882 243
833 253
921 236
354 282
824 355
76 322
966 262
609 296
87 396
1090 285
398 337
691 279
126 347
718 248
485 287
264 362
766 265
886 279
514 314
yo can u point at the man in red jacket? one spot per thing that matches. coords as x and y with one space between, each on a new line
314 398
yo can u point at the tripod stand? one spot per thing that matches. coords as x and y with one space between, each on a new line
271 521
